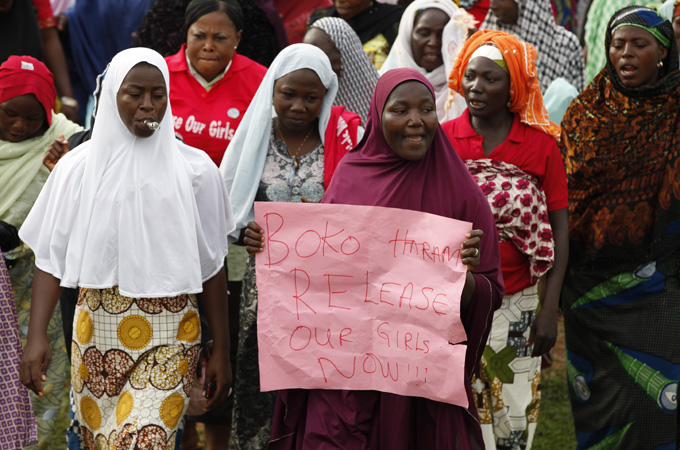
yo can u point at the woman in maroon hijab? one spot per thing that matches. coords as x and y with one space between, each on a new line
404 161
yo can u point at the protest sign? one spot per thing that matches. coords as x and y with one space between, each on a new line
361 297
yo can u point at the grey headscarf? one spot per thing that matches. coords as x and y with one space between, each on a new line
357 75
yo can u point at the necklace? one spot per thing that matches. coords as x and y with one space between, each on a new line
296 164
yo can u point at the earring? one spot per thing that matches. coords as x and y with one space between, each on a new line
509 104
659 64
235 47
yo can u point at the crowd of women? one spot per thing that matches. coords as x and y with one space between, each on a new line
551 126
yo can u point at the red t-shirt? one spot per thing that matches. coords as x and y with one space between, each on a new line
208 119
533 151
479 10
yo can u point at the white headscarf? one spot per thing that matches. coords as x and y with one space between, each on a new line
149 215
454 36
244 160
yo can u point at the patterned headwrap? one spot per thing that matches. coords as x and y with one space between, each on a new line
21 75
643 18
357 75
525 92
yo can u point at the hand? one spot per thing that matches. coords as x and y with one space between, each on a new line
57 149
70 112
219 371
254 238
543 332
471 253
34 364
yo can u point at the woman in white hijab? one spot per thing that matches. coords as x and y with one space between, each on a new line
286 148
138 221
431 33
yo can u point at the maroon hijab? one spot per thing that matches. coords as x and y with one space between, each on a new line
373 174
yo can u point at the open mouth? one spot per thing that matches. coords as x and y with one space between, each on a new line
415 138
627 70
476 104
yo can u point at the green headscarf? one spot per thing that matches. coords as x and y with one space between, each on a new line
22 174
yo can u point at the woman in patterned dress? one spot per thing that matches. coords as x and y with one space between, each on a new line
621 295
286 148
139 222
508 144
28 125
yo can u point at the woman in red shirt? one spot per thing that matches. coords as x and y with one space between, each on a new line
509 146
211 85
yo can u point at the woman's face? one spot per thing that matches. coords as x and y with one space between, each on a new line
634 54
211 43
22 118
426 39
676 29
319 38
486 88
409 120
506 11
350 8
142 96
298 98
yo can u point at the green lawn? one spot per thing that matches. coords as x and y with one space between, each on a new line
555 429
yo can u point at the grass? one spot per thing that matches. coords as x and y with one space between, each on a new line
555 430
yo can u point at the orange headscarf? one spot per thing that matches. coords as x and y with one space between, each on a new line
525 92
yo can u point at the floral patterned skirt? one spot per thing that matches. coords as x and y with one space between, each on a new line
132 363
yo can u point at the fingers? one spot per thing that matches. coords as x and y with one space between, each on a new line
542 342
475 234
57 149
470 253
542 345
532 335
220 374
222 391
254 238
32 377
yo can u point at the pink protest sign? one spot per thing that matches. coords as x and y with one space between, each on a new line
361 297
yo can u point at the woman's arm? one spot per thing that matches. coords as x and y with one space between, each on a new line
214 302
56 62
544 330
37 353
